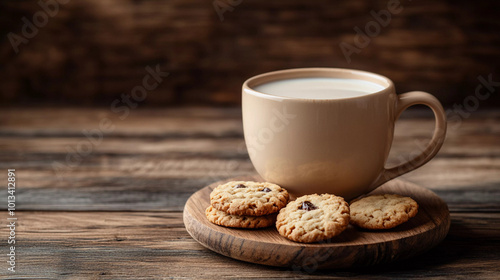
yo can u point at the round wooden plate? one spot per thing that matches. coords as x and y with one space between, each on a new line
354 247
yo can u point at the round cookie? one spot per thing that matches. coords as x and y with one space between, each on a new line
222 218
249 198
312 218
382 211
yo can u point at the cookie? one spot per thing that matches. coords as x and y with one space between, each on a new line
382 211
249 198
312 218
222 218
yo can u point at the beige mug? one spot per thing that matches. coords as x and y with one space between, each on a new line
337 146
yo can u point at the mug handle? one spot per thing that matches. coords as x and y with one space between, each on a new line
404 101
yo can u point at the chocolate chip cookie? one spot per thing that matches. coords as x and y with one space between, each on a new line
249 198
222 218
312 218
382 211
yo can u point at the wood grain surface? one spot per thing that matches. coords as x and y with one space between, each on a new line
118 212
352 248
93 51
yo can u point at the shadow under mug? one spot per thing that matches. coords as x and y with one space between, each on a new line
337 146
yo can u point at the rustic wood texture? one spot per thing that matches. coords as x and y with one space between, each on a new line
92 51
175 152
145 245
118 213
352 248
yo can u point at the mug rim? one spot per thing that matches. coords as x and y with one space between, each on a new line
250 83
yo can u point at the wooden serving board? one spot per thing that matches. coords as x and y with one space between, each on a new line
353 247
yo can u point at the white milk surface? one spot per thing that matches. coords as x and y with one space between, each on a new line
319 88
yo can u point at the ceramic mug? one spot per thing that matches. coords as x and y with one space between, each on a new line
337 146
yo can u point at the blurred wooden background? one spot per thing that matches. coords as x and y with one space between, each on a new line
92 51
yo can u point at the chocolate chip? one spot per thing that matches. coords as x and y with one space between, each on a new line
240 186
266 190
308 206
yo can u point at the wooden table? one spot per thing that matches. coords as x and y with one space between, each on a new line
112 207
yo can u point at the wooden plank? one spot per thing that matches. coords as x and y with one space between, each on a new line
100 245
189 121
157 183
464 145
158 123
140 167
153 131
